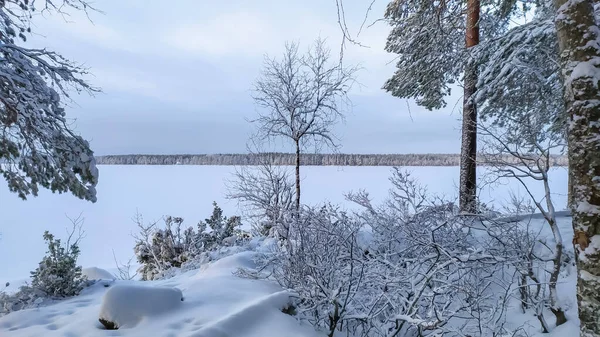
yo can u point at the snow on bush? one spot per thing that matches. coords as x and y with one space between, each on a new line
267 193
58 274
25 297
412 266
95 273
159 249
124 306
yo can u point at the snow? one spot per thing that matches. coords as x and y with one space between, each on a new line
125 305
95 273
216 304
586 207
587 69
586 276
188 192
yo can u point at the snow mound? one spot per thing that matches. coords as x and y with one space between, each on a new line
95 273
244 319
124 306
217 304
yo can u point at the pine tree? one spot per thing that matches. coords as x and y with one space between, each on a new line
37 145
434 41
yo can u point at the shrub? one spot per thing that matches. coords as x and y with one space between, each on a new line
58 274
159 249
410 267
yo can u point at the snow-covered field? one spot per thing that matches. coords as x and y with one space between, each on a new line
188 191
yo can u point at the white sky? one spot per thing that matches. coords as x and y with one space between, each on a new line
177 78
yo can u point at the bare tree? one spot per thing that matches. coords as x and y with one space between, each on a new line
124 269
302 97
37 145
267 194
531 145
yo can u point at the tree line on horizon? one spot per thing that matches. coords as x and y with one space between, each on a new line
309 159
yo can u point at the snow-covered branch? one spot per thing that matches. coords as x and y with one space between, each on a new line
37 145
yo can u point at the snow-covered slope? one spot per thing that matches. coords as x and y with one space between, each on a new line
216 304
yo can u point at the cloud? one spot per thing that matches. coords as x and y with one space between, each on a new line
77 26
239 33
194 62
124 81
246 33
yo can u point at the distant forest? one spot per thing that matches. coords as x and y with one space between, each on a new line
337 159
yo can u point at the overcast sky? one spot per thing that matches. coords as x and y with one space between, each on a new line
177 78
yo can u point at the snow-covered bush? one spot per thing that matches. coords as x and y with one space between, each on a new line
124 306
26 297
266 193
412 266
159 249
323 262
58 274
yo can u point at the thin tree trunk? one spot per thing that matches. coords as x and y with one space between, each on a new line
579 47
555 307
468 153
540 317
297 177
523 291
550 215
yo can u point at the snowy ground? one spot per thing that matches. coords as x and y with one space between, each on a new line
217 304
566 285
186 191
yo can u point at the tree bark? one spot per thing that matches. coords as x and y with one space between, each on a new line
468 153
297 177
570 189
579 46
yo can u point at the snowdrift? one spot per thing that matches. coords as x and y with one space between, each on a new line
216 304
94 273
124 306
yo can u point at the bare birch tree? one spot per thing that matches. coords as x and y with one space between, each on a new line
531 145
302 97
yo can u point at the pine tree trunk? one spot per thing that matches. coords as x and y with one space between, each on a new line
579 46
569 188
468 153
297 177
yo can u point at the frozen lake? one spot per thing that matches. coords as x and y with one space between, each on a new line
188 191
